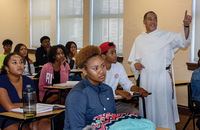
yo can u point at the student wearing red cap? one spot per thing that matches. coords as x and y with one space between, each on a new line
115 73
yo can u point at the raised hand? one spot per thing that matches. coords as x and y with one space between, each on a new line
187 19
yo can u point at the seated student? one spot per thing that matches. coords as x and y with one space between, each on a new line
115 74
12 85
71 53
90 97
195 85
55 71
28 63
7 46
41 52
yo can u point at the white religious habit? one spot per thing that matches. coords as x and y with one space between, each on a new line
155 51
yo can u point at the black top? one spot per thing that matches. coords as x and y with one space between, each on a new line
71 64
56 77
41 56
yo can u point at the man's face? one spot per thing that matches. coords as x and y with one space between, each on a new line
7 48
46 43
150 22
111 55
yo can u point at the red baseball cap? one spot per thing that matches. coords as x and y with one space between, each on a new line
106 46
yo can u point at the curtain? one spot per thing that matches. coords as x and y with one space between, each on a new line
40 20
70 22
108 22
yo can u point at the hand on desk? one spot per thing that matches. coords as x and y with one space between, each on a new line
142 92
124 94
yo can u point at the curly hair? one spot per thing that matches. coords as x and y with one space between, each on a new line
43 38
85 54
7 42
53 50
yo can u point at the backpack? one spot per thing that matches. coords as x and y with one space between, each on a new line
122 121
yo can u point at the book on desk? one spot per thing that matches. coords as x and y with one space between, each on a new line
40 108
67 84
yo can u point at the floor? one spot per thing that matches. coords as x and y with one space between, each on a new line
184 115
183 120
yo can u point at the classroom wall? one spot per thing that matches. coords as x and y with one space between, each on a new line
14 24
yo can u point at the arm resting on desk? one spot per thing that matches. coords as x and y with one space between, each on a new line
142 92
124 94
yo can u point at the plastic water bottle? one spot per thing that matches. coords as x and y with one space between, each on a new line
29 102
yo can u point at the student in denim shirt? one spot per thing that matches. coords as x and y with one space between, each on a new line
195 85
90 97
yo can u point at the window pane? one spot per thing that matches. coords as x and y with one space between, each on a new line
71 22
40 20
108 22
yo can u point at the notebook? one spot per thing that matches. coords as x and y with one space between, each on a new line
40 108
67 84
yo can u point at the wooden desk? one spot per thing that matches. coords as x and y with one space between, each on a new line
76 71
136 96
177 82
56 88
20 117
130 74
161 128
180 82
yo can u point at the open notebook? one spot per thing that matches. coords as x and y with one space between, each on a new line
41 108
67 84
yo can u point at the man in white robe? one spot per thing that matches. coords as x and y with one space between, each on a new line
152 54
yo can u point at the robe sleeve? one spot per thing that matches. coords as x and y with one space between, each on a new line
180 41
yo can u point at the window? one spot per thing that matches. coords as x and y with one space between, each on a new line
62 21
195 43
40 20
70 22
65 18
107 22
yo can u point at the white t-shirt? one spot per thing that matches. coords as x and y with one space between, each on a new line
26 71
115 75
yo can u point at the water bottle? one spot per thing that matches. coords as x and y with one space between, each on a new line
29 102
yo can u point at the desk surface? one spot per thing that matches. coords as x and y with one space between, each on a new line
161 128
118 98
76 70
130 74
133 96
58 88
181 82
20 116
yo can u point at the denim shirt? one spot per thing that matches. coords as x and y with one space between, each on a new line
195 85
86 101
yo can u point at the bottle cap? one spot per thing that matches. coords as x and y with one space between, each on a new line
29 88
